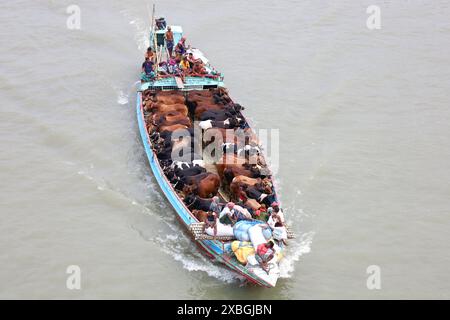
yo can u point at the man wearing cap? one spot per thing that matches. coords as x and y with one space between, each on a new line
273 218
227 214
278 211
215 205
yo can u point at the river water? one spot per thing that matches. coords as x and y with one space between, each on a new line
363 117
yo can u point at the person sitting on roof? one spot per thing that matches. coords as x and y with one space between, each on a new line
150 54
180 48
174 69
147 71
192 60
185 66
198 70
265 253
163 69
169 41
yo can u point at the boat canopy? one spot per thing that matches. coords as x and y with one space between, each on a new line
191 83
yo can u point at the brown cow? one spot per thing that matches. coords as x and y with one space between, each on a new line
206 185
184 121
202 216
230 172
162 108
230 161
150 104
199 93
242 180
169 93
172 128
171 116
201 108
173 99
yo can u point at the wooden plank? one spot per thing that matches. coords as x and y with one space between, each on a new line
179 82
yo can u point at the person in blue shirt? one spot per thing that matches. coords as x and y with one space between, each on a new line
147 71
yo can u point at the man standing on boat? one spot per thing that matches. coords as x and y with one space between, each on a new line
215 205
169 41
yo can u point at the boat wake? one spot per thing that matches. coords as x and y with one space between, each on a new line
297 248
122 98
140 29
182 250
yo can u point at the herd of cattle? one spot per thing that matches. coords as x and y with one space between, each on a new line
241 168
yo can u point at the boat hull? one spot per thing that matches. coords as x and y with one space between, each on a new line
214 249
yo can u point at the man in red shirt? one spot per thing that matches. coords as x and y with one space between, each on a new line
265 253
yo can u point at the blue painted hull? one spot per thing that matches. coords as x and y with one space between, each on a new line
214 249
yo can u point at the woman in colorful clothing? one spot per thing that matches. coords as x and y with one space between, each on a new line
181 48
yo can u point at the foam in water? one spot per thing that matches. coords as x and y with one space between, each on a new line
122 98
299 248
141 30
183 251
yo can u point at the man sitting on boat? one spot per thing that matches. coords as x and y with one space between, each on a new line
185 66
215 205
192 60
198 70
150 54
147 71
265 253
233 213
227 214
170 69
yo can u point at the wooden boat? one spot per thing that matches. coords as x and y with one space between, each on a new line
218 248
